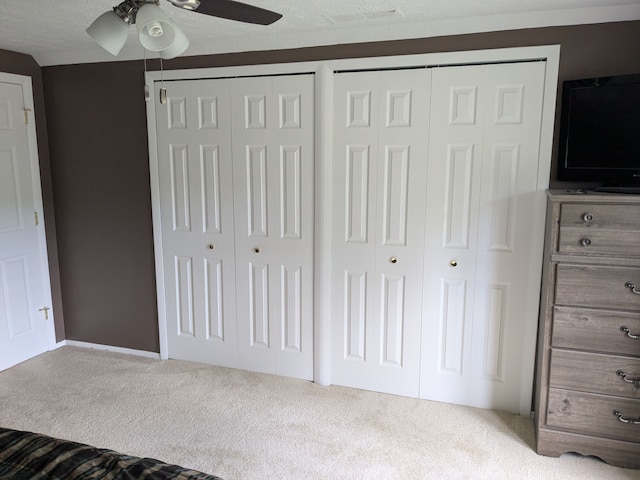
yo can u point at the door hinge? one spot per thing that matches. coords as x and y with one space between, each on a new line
37 220
26 115
46 312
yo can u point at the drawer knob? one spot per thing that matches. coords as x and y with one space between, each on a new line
632 287
585 242
628 333
625 376
393 260
588 217
630 421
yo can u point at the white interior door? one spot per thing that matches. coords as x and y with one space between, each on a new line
482 233
380 165
273 150
26 318
196 209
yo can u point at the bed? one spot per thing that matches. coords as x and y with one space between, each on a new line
32 456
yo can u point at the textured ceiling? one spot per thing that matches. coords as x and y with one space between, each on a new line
53 32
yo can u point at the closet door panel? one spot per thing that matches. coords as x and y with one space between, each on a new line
505 301
356 106
455 162
399 231
194 155
273 189
380 169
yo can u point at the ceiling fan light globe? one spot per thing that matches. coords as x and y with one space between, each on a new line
156 31
109 31
178 46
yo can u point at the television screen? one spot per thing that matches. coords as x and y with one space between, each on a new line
600 130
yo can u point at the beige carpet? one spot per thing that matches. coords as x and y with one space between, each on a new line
244 426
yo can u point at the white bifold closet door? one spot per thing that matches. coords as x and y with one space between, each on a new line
236 193
379 172
481 290
435 262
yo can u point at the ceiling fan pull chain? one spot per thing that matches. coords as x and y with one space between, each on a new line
147 95
163 91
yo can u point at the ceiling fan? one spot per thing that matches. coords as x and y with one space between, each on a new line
157 32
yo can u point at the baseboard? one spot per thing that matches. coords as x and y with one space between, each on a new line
108 348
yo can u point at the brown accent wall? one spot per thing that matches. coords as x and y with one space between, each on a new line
98 142
99 157
21 64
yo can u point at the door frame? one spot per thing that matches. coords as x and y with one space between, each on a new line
324 72
34 162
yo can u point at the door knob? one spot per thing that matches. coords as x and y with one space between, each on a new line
393 260
211 246
257 249
453 263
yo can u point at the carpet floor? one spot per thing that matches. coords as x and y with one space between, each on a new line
244 426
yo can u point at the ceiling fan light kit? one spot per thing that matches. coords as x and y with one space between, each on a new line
157 32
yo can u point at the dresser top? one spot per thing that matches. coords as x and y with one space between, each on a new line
590 196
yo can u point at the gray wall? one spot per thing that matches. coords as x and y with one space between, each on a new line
99 160
20 64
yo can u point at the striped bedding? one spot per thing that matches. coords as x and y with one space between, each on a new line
26 455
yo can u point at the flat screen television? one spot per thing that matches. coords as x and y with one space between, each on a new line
600 132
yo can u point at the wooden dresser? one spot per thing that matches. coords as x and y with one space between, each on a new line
588 365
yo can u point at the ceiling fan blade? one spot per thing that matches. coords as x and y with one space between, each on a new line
238 11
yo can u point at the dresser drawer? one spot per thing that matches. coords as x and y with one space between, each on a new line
608 217
597 286
588 241
595 373
593 414
596 330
